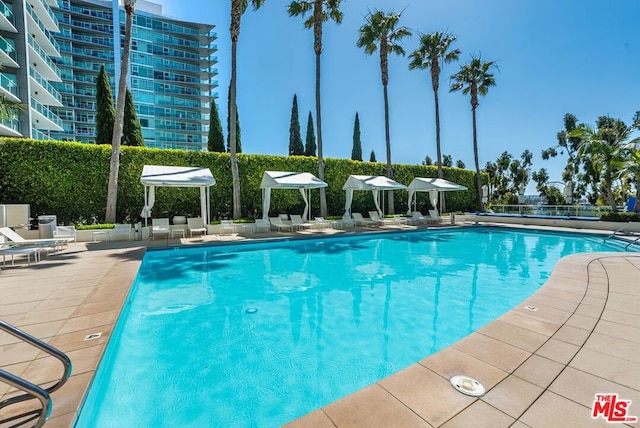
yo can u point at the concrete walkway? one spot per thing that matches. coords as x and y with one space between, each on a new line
541 368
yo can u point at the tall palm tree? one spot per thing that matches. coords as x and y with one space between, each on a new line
380 32
323 10
475 79
238 7
433 53
112 190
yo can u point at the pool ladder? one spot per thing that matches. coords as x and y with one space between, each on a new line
634 237
30 390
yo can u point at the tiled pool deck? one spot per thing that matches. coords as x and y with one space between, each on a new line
541 368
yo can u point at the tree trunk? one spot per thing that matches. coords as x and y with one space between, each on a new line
317 47
443 205
608 180
112 190
323 195
390 209
475 158
234 29
235 176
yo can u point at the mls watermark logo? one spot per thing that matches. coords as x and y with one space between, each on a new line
612 409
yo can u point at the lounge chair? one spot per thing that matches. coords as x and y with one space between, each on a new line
122 229
298 223
361 221
226 226
48 245
262 225
12 250
347 221
417 218
196 225
373 215
68 233
434 216
321 223
159 227
279 224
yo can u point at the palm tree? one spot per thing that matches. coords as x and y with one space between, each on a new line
433 53
112 190
604 147
474 78
380 32
238 7
323 10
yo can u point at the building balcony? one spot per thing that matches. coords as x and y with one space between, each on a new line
7 54
44 91
9 88
7 20
41 34
43 118
43 10
10 128
47 69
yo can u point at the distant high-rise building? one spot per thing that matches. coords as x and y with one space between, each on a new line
170 76
27 49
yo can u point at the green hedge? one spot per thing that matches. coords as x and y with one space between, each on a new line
70 180
622 217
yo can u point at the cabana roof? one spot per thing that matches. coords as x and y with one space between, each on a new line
425 184
290 180
371 182
176 176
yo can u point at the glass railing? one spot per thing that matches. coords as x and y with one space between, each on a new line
50 12
9 84
42 27
39 135
45 112
7 12
45 84
7 47
44 56
12 123
581 210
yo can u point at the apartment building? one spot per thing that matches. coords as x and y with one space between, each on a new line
171 74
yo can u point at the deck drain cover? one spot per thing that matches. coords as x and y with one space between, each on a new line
468 385
92 336
531 308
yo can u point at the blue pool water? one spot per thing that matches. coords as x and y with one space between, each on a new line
255 335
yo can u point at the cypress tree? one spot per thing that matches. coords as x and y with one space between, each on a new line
106 113
310 147
216 137
238 145
295 140
372 158
356 152
131 129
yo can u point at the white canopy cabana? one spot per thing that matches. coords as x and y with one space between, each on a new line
303 181
433 186
176 176
368 182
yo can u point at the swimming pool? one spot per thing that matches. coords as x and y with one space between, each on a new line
259 334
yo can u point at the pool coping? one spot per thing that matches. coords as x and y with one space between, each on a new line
570 307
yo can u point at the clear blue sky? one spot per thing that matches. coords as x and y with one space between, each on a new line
554 57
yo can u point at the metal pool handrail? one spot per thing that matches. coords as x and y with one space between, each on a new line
31 390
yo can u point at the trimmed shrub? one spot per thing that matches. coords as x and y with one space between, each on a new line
70 180
622 217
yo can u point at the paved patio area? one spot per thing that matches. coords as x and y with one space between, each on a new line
541 368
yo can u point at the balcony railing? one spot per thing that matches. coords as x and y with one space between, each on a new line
8 48
42 27
45 84
46 112
9 84
7 12
44 56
